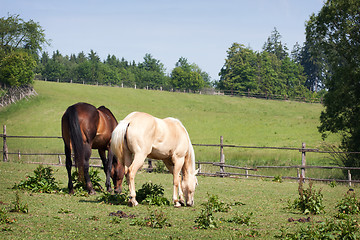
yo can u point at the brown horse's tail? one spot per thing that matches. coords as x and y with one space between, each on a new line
76 140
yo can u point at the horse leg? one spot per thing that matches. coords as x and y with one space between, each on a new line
107 163
87 154
130 176
177 182
68 168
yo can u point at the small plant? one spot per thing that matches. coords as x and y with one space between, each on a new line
156 200
4 218
215 205
241 219
18 206
43 181
152 194
114 199
332 184
94 178
206 219
349 204
309 201
157 219
278 179
331 229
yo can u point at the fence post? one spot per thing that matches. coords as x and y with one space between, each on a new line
19 156
222 156
349 177
303 160
5 147
150 167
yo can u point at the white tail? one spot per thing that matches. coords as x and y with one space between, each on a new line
118 138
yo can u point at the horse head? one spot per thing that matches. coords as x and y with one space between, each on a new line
188 187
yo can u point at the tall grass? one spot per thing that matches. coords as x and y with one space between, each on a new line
241 121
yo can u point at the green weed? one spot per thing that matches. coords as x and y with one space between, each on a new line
18 206
43 181
349 204
94 178
152 194
309 200
331 229
156 219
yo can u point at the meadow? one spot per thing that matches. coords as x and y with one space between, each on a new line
62 216
241 121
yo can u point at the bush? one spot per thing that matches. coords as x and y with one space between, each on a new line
349 204
114 199
331 229
43 181
215 205
152 194
309 201
94 178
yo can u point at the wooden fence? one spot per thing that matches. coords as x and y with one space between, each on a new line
301 169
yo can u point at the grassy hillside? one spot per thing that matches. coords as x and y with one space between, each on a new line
242 121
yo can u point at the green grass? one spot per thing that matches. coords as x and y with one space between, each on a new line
60 216
241 121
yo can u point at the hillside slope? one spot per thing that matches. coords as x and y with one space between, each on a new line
242 121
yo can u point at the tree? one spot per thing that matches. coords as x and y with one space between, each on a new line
335 31
16 69
20 42
274 45
15 34
187 76
240 69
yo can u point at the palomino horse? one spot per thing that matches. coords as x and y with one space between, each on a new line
141 135
84 128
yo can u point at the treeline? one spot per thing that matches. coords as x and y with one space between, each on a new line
271 72
150 73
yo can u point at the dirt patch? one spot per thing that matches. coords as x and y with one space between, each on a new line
121 214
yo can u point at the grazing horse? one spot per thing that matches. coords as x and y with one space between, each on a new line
85 127
141 135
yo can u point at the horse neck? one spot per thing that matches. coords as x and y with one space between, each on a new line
189 164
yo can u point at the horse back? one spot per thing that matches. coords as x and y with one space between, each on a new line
107 123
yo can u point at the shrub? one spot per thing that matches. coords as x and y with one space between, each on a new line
94 178
114 199
331 229
309 201
152 194
349 204
215 205
206 219
43 181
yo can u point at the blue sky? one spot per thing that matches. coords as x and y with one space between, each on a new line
199 30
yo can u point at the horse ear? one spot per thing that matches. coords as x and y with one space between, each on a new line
197 171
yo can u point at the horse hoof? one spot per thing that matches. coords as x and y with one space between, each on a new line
132 203
182 202
177 205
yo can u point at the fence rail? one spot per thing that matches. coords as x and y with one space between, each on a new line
301 169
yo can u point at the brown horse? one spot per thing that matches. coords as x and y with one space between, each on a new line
84 128
141 135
